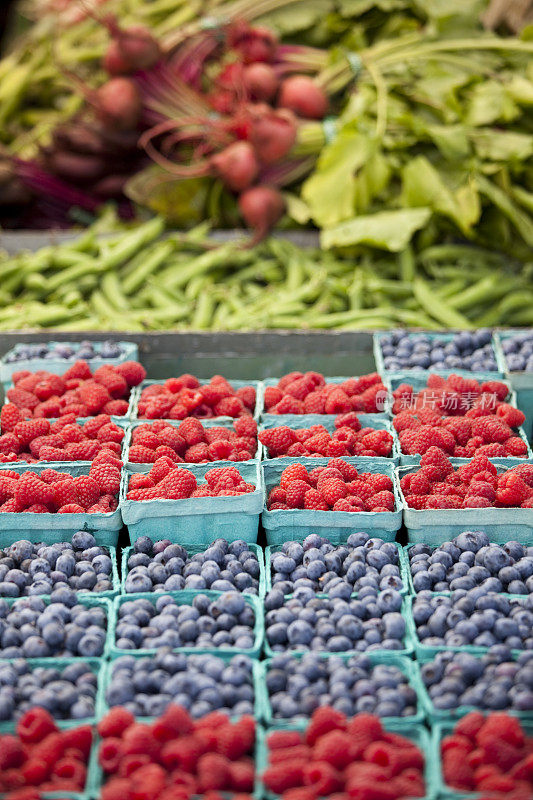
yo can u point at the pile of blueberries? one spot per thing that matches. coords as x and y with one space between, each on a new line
30 627
67 693
372 621
226 621
199 683
298 686
492 682
518 351
468 350
337 571
86 350
166 567
470 561
28 569
475 617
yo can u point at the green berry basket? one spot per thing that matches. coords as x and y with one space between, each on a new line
135 466
107 672
443 338
408 667
437 715
271 550
290 419
407 649
49 527
90 601
185 597
96 666
284 525
58 366
192 521
436 526
439 731
418 734
296 422
424 652
521 381
235 384
192 550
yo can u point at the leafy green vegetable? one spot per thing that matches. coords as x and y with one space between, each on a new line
390 230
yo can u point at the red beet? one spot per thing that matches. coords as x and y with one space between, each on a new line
253 44
261 207
300 94
236 165
132 49
273 134
118 104
261 81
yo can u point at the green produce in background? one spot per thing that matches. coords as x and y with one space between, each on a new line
145 279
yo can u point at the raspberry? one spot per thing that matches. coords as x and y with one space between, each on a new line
332 489
497 388
314 501
272 396
192 431
117 789
71 508
118 408
383 499
80 369
107 477
11 752
31 489
110 754
35 771
94 396
315 403
87 490
435 457
213 772
500 725
455 770
502 754
68 769
292 473
139 738
491 429
510 415
138 454
515 446
22 399
132 372
512 490
112 381
10 416
115 722
176 721
277 440
322 777
283 740
288 405
235 741
300 793
281 777
34 725
324 720
334 748
242 775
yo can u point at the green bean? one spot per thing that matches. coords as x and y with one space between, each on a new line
151 264
484 290
203 313
132 242
407 265
437 308
112 291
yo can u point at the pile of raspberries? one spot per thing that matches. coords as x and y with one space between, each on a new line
474 485
492 755
343 759
39 757
176 757
165 481
65 439
299 393
53 491
337 487
192 443
348 439
185 396
79 392
460 416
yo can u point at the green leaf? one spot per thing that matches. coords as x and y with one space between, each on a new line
422 185
502 145
296 208
491 102
329 192
521 220
181 202
354 8
297 16
371 181
389 230
451 140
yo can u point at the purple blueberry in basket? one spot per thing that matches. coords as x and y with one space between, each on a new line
476 617
298 686
518 351
67 692
28 569
85 350
199 683
494 681
63 627
470 560
468 350
226 621
167 567
372 621
336 570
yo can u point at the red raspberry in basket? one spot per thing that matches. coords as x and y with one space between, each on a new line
293 472
94 396
277 440
10 415
512 490
132 372
178 484
115 384
348 420
314 501
35 725
516 447
31 489
295 492
191 430
331 489
196 454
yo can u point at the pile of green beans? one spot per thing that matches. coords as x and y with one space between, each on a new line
147 279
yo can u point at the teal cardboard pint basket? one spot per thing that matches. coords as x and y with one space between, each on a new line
56 527
196 520
284 525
